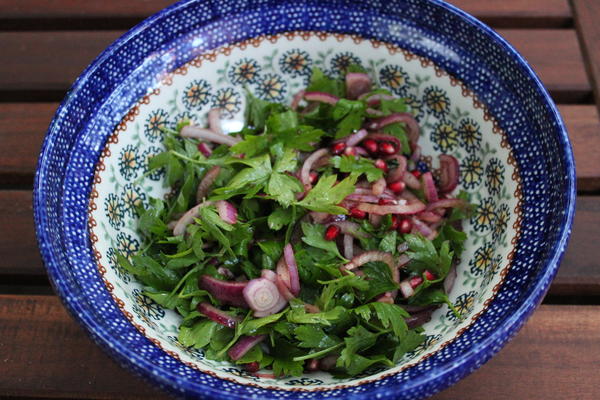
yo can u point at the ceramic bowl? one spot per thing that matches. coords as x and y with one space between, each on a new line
474 98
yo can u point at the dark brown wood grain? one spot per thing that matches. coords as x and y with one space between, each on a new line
588 27
38 61
579 273
513 13
45 354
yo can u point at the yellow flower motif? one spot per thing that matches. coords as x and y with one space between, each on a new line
485 215
470 134
494 176
471 171
295 62
394 77
196 94
126 244
155 123
437 101
128 162
444 136
502 217
482 259
244 72
227 100
272 88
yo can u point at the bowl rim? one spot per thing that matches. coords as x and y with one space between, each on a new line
453 372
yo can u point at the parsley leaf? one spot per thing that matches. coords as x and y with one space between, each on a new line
314 236
408 343
283 188
350 115
314 337
325 196
279 218
198 335
357 166
388 314
251 145
423 255
319 82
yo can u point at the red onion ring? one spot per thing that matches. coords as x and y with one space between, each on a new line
204 149
196 132
206 182
356 137
290 260
411 181
227 292
423 229
449 173
357 84
218 316
406 118
348 246
214 120
227 211
307 166
406 289
297 99
369 256
284 291
321 97
375 99
244 345
188 218
268 274
404 209
397 173
379 186
450 279
429 216
429 187
446 203
263 296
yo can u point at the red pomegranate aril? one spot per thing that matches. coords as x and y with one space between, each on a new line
332 232
370 145
386 202
430 275
405 226
387 148
415 281
395 223
416 173
397 187
252 367
313 176
358 214
313 365
350 151
379 163
338 148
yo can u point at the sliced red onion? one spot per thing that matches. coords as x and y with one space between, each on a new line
311 308
404 209
283 272
196 132
419 319
356 137
417 309
363 198
244 345
318 217
263 297
321 97
225 272
206 182
423 229
227 211
171 225
351 228
402 247
397 173
290 260
307 166
450 279
227 292
379 186
375 220
406 289
374 113
284 291
348 246
403 259
429 216
429 187
411 181
369 256
449 173
357 83
375 99
416 154
268 274
188 218
219 316
204 149
328 362
406 118
446 203
214 120
313 365
296 100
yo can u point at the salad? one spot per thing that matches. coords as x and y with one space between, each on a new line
315 238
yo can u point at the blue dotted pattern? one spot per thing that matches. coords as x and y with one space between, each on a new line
461 45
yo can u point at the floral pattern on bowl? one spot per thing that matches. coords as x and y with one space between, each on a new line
452 121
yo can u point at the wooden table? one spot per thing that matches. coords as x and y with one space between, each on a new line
45 354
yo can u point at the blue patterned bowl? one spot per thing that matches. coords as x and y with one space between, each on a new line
473 95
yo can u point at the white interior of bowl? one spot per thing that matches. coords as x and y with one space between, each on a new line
452 121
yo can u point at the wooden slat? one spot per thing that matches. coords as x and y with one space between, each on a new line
519 13
587 13
22 127
44 353
37 61
579 273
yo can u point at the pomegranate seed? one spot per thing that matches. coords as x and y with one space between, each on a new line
358 214
395 223
313 176
415 281
386 202
387 148
416 173
430 275
370 145
405 226
379 163
350 151
313 365
397 187
252 367
332 232
337 148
